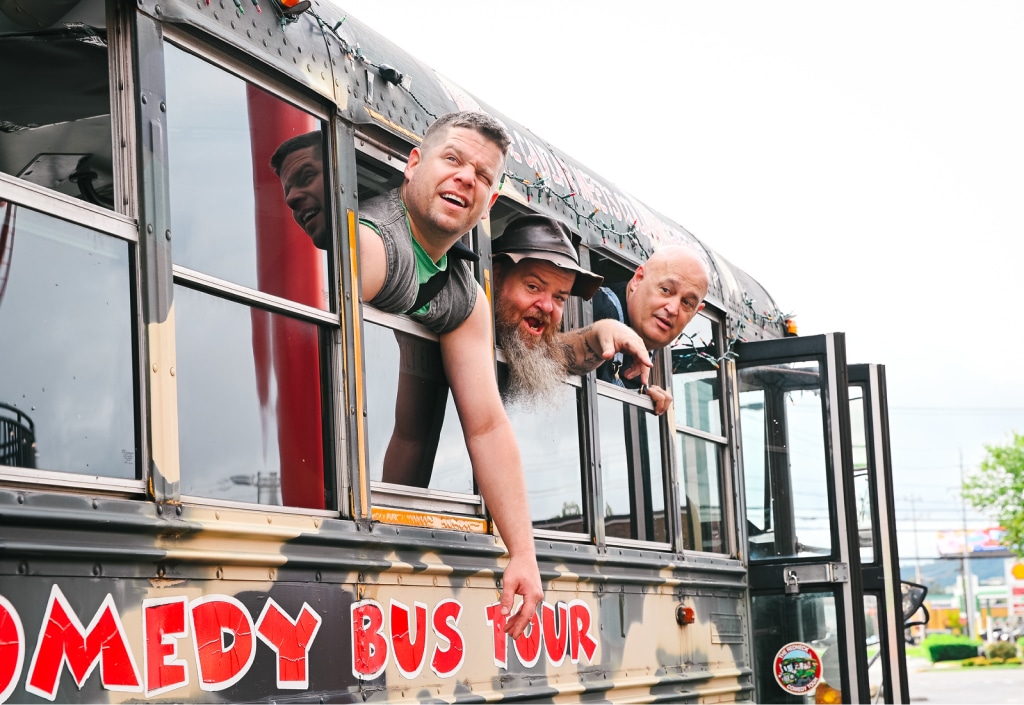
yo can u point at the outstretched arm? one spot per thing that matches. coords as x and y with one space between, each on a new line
586 348
468 362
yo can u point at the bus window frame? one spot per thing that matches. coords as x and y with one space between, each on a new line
385 497
401 496
611 260
723 444
328 321
510 206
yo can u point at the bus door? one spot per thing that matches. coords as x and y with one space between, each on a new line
806 599
884 618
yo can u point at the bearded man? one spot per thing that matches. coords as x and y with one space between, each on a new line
536 269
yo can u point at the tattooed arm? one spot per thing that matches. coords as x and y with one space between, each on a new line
587 348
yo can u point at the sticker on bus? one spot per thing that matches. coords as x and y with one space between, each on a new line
797 668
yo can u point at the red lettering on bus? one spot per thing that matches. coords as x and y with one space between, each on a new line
529 642
291 640
163 623
409 652
63 639
369 647
579 632
446 662
555 627
496 620
223 638
12 648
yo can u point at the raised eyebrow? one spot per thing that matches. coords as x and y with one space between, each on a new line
540 279
299 174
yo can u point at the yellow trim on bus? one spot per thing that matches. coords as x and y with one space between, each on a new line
357 363
429 520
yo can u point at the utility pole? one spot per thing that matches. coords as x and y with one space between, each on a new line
965 562
917 549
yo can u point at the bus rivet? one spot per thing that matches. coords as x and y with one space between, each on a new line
167 234
154 367
163 107
171 372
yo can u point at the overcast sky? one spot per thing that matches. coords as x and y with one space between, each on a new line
863 161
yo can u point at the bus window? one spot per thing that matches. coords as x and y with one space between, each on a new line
862 483
416 452
249 209
808 619
783 430
546 426
549 443
700 442
414 436
631 466
632 462
66 382
55 128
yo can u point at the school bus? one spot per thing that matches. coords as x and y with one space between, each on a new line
195 407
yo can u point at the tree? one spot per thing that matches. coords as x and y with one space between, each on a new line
998 489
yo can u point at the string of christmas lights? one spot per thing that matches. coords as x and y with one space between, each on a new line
569 200
690 358
764 317
388 73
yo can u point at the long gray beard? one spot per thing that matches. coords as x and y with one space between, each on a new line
536 375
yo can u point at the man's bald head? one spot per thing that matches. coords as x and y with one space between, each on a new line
666 292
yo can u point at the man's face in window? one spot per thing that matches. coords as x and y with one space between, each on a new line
529 300
302 177
451 181
531 297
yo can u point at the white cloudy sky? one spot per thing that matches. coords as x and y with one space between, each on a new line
864 161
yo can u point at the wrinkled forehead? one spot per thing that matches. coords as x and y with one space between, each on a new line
300 157
548 273
462 137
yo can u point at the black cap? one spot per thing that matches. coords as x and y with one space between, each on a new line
539 237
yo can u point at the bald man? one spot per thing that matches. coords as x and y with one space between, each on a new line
663 296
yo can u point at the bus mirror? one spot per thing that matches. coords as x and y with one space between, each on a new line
913 598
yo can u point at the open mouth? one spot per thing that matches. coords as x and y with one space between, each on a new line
454 199
304 216
534 325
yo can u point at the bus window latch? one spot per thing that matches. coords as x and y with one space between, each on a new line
792 583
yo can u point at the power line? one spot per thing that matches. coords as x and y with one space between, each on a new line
958 409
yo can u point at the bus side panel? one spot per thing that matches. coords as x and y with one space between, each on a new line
402 636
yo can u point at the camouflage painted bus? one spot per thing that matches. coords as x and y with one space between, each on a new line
195 409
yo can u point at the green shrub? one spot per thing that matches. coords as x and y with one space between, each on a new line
946 647
1001 650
